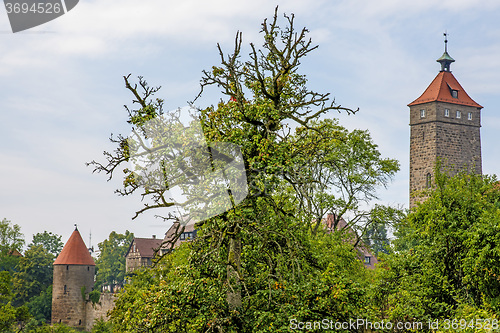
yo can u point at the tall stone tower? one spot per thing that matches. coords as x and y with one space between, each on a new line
74 271
444 123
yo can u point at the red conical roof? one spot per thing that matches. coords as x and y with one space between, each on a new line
75 252
440 90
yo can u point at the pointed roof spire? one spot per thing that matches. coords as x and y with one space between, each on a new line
440 90
74 252
445 59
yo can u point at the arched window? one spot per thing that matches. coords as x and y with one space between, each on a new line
428 181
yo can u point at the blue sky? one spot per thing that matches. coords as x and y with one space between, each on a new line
62 91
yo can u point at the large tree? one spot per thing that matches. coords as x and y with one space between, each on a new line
110 264
9 315
259 254
51 242
34 274
11 238
11 244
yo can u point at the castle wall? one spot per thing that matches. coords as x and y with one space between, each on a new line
99 310
68 305
455 140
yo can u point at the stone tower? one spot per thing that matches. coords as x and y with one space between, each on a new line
445 123
74 271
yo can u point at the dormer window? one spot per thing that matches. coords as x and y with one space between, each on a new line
446 112
459 114
186 236
454 93
422 113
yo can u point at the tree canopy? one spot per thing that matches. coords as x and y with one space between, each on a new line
446 263
110 264
11 238
266 258
51 242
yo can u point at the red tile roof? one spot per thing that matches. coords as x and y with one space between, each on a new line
145 246
175 229
14 253
75 252
440 90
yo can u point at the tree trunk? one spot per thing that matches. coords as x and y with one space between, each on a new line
234 270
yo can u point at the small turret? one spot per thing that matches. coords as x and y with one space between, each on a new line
445 59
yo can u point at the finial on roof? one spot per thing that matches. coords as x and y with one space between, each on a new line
76 227
445 59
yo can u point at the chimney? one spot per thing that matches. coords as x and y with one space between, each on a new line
154 236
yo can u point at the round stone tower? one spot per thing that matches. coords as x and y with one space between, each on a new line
74 271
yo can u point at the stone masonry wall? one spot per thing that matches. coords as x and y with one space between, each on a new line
455 140
68 306
100 310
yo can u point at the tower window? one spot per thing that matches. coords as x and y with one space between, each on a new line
459 114
446 112
428 180
422 113
469 116
454 93
65 289
67 267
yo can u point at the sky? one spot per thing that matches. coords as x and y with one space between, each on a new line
62 91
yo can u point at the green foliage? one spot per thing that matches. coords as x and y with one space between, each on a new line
33 326
179 296
9 262
448 256
51 242
40 307
9 315
94 296
375 233
101 326
7 311
340 171
34 273
5 287
110 265
11 237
